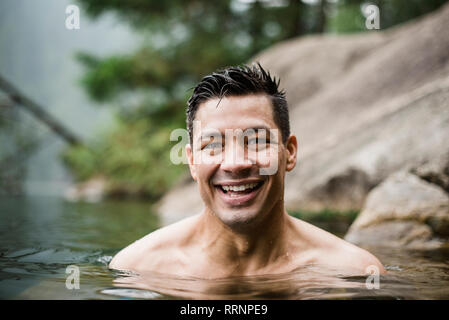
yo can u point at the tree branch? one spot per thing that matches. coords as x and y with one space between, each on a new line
39 112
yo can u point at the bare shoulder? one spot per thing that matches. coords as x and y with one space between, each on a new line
355 258
152 251
335 252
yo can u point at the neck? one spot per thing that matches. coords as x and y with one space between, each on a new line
248 251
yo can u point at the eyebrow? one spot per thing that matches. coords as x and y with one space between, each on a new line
214 133
256 129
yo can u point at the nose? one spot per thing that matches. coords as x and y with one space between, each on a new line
236 159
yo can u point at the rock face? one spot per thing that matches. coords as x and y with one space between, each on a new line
182 201
435 171
403 211
362 106
92 190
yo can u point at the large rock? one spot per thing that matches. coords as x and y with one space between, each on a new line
403 211
92 190
435 171
385 112
182 201
340 170
363 107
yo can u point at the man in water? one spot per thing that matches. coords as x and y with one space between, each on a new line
240 150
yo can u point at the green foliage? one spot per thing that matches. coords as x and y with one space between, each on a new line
81 160
336 222
326 215
134 157
348 18
393 12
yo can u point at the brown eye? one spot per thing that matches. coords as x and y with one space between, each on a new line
213 146
254 141
257 141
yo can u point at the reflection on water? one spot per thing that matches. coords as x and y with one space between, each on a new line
304 283
415 275
40 237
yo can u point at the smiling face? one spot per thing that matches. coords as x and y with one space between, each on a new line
229 175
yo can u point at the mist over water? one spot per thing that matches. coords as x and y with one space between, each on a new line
37 55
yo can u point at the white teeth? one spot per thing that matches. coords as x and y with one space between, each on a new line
239 188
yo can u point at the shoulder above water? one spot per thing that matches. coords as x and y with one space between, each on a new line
149 252
333 251
168 248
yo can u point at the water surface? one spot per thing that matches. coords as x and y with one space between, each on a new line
41 236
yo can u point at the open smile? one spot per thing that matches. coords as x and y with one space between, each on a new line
238 193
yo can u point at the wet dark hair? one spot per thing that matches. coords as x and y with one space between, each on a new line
239 81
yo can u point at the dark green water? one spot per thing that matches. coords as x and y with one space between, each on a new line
40 237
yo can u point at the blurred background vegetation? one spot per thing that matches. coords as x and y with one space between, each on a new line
147 87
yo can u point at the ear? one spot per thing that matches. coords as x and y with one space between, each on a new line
291 150
192 167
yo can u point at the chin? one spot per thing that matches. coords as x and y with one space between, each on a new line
239 219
